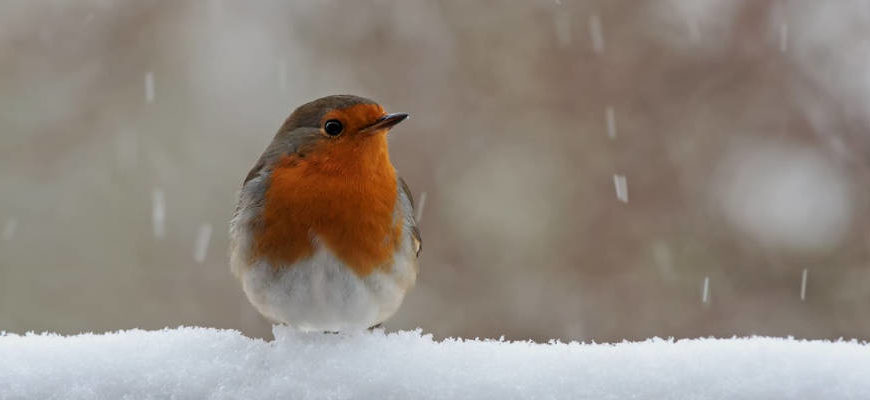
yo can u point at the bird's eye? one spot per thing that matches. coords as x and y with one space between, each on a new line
333 127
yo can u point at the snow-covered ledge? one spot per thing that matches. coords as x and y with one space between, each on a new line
201 363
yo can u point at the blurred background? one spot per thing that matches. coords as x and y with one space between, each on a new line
593 170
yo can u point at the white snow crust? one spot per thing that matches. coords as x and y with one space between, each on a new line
205 363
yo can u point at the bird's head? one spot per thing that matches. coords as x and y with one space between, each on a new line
336 131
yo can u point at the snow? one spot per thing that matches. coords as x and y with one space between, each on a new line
200 248
421 204
596 33
199 363
621 185
705 290
610 116
804 285
158 212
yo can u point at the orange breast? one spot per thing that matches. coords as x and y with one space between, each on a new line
343 195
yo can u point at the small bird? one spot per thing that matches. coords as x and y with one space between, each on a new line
323 237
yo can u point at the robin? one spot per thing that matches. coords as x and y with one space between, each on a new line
323 237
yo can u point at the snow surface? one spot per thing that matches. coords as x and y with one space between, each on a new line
202 363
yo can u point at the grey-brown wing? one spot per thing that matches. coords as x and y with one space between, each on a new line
255 170
405 193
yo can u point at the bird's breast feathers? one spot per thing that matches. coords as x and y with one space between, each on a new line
288 212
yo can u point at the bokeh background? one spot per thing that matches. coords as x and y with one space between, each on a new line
593 170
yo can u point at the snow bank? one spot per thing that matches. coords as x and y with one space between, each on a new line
200 363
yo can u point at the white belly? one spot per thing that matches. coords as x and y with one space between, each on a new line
321 294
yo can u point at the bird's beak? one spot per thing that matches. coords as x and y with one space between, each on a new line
386 122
